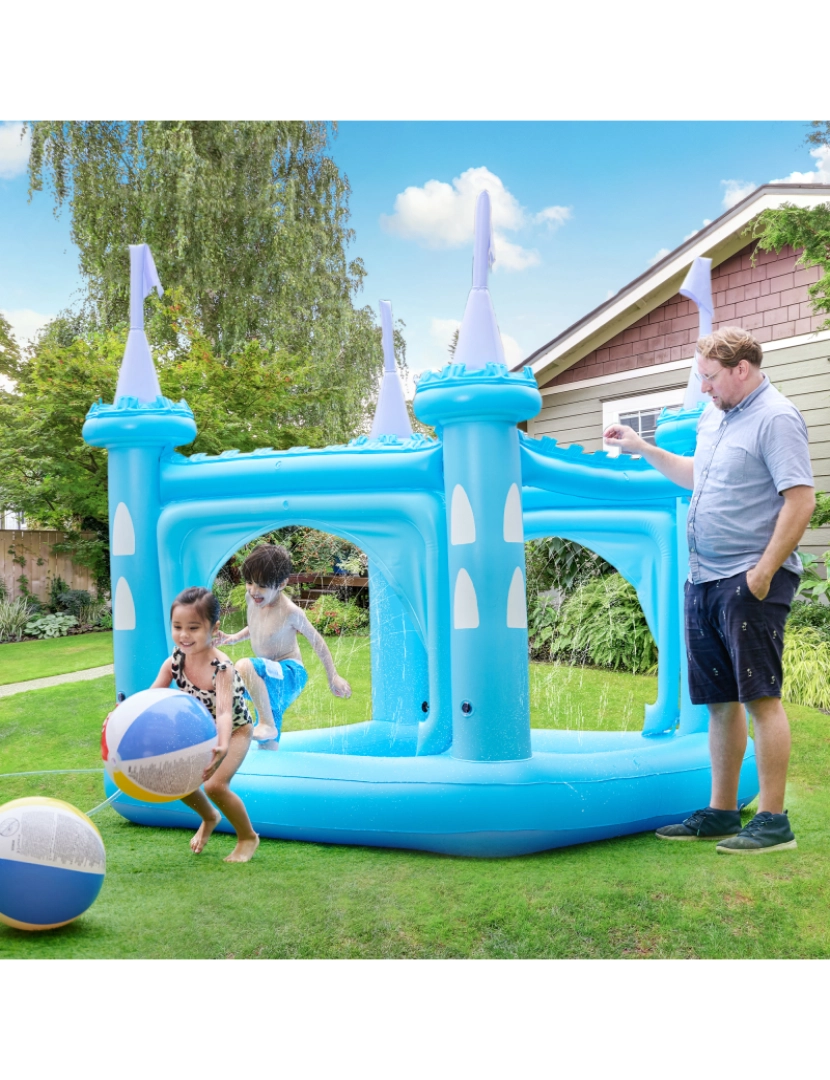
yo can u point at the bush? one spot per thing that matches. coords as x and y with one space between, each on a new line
542 624
813 615
331 616
51 626
554 563
806 663
72 601
56 587
14 614
602 623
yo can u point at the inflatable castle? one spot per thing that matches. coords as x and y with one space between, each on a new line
448 762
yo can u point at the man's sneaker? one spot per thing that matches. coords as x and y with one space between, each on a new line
766 832
705 824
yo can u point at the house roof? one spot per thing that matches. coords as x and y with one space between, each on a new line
718 241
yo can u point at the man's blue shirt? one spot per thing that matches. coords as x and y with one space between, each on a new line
745 458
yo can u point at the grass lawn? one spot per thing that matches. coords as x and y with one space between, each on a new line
24 660
631 897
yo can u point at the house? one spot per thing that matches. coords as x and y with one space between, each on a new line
631 357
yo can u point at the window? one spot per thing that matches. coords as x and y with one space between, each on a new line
640 411
10 520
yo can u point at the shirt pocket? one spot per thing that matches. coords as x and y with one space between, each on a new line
729 465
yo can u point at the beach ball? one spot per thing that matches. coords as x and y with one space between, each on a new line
157 744
52 863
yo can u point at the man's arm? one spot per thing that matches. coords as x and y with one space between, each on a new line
680 470
799 503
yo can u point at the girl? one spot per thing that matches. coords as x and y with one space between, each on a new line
196 664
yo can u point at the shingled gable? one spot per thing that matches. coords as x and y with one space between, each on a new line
628 332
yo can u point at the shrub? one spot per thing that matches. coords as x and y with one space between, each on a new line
331 616
602 623
72 601
51 626
806 663
554 563
56 587
14 614
816 616
542 624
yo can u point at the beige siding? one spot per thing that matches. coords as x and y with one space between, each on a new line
801 372
34 546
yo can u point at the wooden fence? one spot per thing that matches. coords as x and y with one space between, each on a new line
29 552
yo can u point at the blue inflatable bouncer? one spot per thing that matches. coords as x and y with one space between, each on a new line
449 762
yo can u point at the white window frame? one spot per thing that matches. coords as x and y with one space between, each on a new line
655 399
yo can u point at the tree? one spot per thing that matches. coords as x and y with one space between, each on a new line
806 230
255 397
249 219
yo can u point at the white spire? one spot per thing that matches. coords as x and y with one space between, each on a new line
479 340
697 286
137 377
391 417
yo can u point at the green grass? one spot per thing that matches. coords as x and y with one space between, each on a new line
24 660
630 897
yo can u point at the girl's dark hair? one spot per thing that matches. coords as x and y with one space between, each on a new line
202 599
268 565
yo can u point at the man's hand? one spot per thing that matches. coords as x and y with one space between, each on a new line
339 687
625 438
221 638
758 583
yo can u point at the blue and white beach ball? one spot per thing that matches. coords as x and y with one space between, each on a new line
157 744
52 863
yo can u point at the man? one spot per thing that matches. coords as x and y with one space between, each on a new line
753 497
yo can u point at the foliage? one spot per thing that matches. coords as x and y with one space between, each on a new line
813 586
821 514
331 616
51 626
14 614
542 624
806 663
9 349
554 563
805 229
816 616
820 135
72 601
56 586
602 623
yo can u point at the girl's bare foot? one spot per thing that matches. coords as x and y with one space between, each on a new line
244 850
202 835
265 732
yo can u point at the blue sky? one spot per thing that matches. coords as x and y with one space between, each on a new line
579 210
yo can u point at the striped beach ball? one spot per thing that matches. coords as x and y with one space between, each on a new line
52 863
157 744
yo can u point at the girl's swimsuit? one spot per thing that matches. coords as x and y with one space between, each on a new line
239 710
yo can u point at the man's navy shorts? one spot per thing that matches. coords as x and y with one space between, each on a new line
735 641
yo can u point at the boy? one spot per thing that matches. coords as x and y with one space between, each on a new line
275 676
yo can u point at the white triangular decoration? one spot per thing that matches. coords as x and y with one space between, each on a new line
123 533
462 521
123 610
465 604
513 523
516 606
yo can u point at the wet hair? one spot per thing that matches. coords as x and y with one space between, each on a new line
729 346
206 604
268 565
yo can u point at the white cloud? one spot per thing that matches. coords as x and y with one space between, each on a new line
553 216
513 352
694 232
441 215
821 175
25 324
658 255
14 151
735 190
